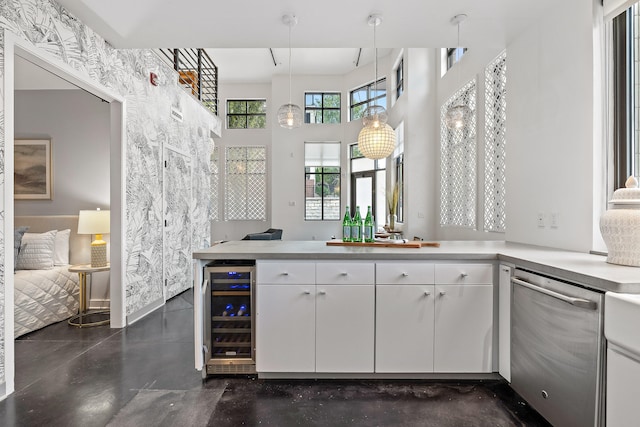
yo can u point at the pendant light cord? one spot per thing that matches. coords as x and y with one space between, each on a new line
290 66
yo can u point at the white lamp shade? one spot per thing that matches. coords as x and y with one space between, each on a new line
94 222
376 141
290 116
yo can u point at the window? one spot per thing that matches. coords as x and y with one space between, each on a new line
625 148
215 180
400 78
365 96
246 184
453 55
495 120
458 164
322 181
398 164
368 185
321 107
246 114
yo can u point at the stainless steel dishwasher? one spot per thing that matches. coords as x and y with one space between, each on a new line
557 349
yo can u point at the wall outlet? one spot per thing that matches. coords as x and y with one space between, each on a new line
555 220
540 219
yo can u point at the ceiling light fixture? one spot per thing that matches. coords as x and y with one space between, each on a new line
290 115
376 139
458 114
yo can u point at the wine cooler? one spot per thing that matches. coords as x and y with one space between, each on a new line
229 335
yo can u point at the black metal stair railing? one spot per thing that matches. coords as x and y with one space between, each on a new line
197 74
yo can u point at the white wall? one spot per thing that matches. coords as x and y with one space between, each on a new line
550 148
78 125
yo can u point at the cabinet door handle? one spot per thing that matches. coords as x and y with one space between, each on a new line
506 270
405 274
463 275
344 273
284 273
427 293
323 292
442 293
307 292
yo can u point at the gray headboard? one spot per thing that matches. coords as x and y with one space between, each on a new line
79 244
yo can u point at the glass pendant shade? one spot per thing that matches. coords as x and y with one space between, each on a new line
457 116
376 140
374 113
290 116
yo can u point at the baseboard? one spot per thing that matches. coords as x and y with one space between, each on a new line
139 314
99 304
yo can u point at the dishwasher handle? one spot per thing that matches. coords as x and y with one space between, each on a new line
578 302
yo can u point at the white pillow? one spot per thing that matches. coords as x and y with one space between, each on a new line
36 251
61 250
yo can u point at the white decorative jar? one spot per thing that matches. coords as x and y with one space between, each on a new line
620 225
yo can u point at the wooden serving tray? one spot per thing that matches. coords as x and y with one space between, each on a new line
410 244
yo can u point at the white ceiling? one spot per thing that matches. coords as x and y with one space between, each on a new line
238 33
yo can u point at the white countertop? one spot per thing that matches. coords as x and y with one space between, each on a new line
589 270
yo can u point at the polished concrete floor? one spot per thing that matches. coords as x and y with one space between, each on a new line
143 376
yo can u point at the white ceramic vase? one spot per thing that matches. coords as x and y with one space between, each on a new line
620 226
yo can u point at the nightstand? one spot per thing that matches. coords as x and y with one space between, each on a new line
83 271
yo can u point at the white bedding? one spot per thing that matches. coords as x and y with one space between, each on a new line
43 297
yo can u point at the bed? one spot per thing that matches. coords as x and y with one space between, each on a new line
48 295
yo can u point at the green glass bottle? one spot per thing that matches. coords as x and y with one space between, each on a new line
356 226
346 226
367 231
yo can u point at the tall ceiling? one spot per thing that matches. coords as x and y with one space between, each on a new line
335 29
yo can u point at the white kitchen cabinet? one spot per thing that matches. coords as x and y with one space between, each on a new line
623 376
344 328
404 327
504 321
463 318
285 328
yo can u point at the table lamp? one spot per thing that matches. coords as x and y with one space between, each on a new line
95 222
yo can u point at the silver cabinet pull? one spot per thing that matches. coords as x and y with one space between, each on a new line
284 273
463 275
344 273
578 302
427 293
307 292
323 292
506 270
442 293
405 274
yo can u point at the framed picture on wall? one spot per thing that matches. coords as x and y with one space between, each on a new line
32 169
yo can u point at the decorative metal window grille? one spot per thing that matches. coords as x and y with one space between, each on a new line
246 183
458 164
495 119
215 182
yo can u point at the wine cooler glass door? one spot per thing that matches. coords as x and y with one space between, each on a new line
231 313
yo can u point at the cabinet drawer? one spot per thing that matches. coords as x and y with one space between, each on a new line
459 274
414 273
291 272
348 273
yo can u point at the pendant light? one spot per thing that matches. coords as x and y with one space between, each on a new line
290 115
376 139
458 114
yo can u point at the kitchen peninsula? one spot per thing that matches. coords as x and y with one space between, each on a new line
433 312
